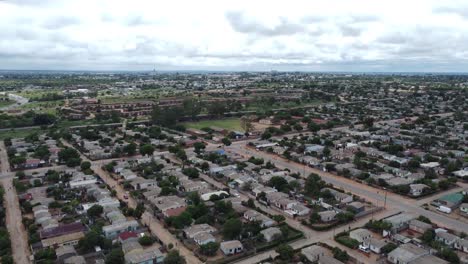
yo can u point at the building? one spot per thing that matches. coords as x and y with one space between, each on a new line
362 235
400 221
452 200
231 247
356 207
265 221
419 226
313 253
271 233
446 238
417 189
328 260
112 231
406 253
194 230
327 216
339 196
203 238
376 245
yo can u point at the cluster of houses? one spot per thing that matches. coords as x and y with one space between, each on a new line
26 148
63 237
406 231
389 155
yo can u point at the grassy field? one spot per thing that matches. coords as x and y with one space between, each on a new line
6 103
232 124
18 133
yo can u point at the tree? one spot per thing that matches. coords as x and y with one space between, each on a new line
340 255
278 218
428 236
285 251
192 173
95 211
130 149
116 256
232 228
85 165
226 141
69 156
279 183
246 124
199 146
314 218
174 257
209 249
145 240
146 149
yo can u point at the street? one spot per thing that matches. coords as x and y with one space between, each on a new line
14 223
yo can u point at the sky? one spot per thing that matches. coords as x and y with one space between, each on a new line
295 35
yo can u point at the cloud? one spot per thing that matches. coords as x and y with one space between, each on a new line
425 35
243 24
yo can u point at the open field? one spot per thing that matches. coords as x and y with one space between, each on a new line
6 103
17 133
232 124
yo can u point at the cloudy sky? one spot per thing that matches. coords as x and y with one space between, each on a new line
310 35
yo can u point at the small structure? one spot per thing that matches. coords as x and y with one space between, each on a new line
313 253
231 247
271 233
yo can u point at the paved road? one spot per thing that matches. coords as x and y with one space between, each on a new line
18 235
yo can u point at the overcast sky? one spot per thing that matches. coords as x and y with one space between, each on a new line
310 35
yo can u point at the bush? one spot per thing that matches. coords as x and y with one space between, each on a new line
347 241
145 240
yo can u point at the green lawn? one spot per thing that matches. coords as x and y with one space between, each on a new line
232 124
19 133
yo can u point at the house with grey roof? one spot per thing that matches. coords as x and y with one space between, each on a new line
231 247
313 253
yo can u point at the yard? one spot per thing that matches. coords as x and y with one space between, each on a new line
232 124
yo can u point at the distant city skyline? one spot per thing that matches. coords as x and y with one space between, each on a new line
316 36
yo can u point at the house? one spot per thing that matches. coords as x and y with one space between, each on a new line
419 226
231 247
356 207
446 238
32 163
426 259
70 239
271 233
275 196
259 189
194 230
144 256
140 183
169 205
339 196
265 221
462 245
313 253
328 260
376 245
400 221
112 231
327 216
75 260
362 235
417 189
406 253
203 238
300 209
452 200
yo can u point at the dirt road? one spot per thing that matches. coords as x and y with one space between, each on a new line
18 235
